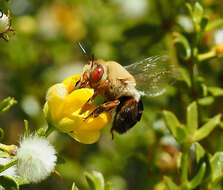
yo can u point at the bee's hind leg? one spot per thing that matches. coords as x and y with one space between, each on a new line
107 106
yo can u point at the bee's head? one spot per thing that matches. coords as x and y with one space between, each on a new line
95 69
96 72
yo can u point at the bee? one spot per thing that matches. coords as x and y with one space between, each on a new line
123 87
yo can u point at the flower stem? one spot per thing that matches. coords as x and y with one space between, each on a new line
49 129
205 56
185 167
11 149
10 164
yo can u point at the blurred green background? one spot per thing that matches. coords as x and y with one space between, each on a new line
44 51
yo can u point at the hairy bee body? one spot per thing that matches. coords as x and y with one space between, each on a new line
120 81
119 86
128 113
122 87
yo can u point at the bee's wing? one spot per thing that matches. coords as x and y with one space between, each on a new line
153 74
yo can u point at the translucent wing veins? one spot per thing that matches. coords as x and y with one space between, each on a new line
153 75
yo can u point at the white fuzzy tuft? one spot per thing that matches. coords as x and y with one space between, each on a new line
137 94
36 158
4 22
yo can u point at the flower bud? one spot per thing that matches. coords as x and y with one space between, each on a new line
66 109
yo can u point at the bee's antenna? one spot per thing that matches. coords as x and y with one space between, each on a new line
86 54
83 50
92 61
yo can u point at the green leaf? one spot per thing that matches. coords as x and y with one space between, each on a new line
26 125
170 185
181 134
8 165
217 166
185 76
216 186
204 89
21 180
215 91
206 129
190 9
41 132
171 122
74 187
217 23
3 154
9 183
180 39
199 151
2 133
204 23
108 186
192 118
6 104
95 180
198 12
206 101
198 177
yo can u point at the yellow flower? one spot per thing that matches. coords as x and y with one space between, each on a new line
219 49
66 109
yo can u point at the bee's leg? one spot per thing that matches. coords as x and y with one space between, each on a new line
84 82
90 101
99 90
101 87
107 106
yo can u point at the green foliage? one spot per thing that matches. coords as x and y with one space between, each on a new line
170 185
217 166
95 181
199 151
192 118
180 39
197 180
6 104
206 129
193 131
190 132
74 187
8 165
9 183
42 53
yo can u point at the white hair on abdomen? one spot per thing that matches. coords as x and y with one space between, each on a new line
136 94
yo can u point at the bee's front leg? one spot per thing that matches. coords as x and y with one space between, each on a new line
107 106
84 81
99 90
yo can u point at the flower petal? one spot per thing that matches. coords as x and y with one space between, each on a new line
76 100
70 82
55 98
88 131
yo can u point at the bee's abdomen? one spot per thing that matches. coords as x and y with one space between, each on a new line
128 113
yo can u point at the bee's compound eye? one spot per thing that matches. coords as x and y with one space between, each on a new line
97 74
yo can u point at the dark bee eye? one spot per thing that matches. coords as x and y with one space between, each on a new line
96 74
